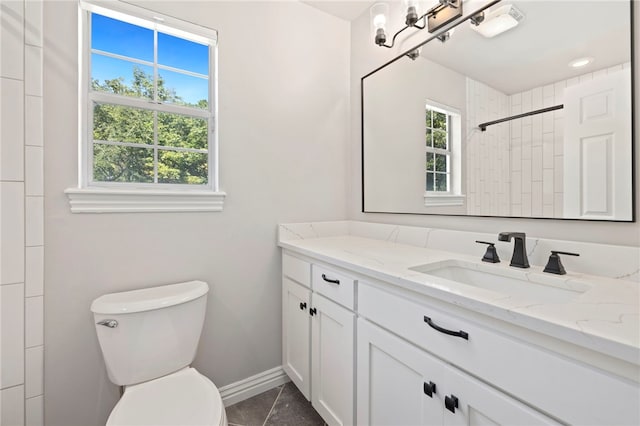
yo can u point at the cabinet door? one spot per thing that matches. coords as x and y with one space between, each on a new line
332 361
295 334
479 404
394 381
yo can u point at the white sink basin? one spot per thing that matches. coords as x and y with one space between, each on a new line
534 286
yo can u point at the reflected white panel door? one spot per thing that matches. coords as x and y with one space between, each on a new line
296 334
332 361
398 384
481 405
597 148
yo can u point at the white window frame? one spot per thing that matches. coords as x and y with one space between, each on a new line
446 152
97 197
453 196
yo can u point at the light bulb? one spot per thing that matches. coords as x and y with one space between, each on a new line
379 13
379 21
412 8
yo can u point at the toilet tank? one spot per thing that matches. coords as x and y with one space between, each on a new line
152 332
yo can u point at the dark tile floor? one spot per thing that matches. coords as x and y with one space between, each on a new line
281 406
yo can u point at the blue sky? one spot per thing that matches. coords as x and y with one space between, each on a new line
111 35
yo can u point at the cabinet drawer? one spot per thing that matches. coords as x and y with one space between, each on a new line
407 319
334 285
296 269
580 394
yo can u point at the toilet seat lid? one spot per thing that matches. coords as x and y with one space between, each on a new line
179 399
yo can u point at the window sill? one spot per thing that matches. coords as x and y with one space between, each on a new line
431 200
99 200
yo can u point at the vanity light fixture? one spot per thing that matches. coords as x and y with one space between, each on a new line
580 62
433 19
497 21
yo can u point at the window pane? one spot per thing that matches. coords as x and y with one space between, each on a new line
430 161
183 54
429 118
114 36
182 131
182 89
440 139
182 167
122 124
441 163
430 181
121 77
441 182
439 120
122 164
429 138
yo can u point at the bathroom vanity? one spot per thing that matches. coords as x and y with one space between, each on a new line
380 327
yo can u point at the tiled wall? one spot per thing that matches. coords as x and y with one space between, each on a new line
537 148
21 214
516 168
487 153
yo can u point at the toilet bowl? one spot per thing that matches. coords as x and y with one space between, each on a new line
148 339
183 398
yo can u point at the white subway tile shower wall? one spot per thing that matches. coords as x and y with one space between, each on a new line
21 213
516 168
487 156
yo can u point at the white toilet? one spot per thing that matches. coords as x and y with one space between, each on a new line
148 339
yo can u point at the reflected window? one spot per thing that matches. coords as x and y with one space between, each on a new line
438 150
150 113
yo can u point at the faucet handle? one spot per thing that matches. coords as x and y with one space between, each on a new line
491 255
554 264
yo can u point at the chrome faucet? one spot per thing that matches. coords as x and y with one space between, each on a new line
519 258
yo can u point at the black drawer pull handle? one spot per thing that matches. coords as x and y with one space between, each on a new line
460 333
329 280
303 305
429 389
451 403
312 311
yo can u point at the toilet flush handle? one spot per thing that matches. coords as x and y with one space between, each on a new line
111 323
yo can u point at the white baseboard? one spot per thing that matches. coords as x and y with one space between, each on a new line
251 386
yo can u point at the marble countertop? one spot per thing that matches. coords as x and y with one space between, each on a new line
604 318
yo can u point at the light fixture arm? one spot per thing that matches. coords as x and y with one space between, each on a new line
393 39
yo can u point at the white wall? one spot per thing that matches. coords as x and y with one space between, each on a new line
365 57
284 74
397 96
21 211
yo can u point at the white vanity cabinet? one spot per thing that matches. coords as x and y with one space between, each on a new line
399 384
370 352
488 371
332 361
318 337
296 334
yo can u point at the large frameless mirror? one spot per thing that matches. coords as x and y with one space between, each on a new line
526 114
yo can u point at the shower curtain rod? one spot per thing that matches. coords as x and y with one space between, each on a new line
483 126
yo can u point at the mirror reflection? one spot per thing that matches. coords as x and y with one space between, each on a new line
526 114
